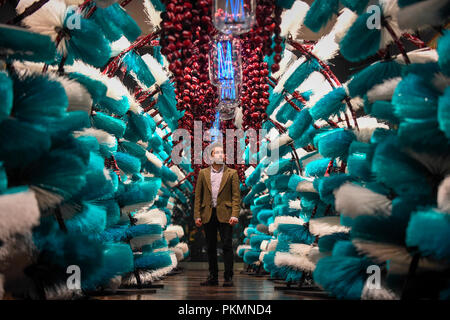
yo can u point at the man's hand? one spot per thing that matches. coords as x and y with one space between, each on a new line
198 222
233 221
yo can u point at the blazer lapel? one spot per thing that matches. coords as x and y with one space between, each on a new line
224 179
208 178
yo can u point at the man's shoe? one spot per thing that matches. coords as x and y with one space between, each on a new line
210 282
228 282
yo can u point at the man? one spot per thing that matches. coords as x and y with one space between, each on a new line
216 207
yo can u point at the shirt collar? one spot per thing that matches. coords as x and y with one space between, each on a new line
217 171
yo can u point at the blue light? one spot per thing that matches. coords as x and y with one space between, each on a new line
225 72
237 11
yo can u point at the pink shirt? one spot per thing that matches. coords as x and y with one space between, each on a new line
216 179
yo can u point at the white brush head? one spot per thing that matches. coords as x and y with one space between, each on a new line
383 91
443 196
292 19
353 200
153 16
422 14
177 229
326 226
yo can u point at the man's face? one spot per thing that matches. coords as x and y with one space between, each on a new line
217 155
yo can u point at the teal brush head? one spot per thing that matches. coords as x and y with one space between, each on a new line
359 161
330 105
114 22
167 174
251 256
343 277
117 259
306 138
326 185
38 97
58 171
398 171
301 74
383 110
326 243
137 193
155 142
281 166
282 246
86 42
71 121
3 179
320 12
127 163
113 106
153 260
264 199
21 44
285 113
355 5
443 48
134 150
109 124
91 220
22 143
373 75
112 212
294 233
344 249
98 184
301 123
317 168
360 42
136 66
6 95
334 143
286 4
255 240
264 216
429 230
379 229
274 102
443 115
97 89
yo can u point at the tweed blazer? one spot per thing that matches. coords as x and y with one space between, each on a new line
228 198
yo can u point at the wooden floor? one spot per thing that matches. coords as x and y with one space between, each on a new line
186 286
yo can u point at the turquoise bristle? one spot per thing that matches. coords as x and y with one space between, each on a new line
109 124
117 259
140 192
6 95
92 219
85 42
21 44
22 143
153 260
3 179
347 279
37 96
334 143
97 90
306 138
97 184
287 4
282 246
344 249
383 110
414 98
115 22
373 75
127 163
429 230
264 216
301 122
360 160
326 243
112 212
320 12
262 200
317 168
139 68
281 166
423 135
71 121
301 74
443 114
173 242
326 185
294 276
110 105
143 230
167 174
285 113
355 5
443 49
134 150
395 169
275 101
360 42
255 240
294 233
251 256
379 229
330 105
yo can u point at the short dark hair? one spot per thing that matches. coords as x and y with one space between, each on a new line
216 145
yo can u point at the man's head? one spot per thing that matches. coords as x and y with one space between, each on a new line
217 156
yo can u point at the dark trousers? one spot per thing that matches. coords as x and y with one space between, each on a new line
226 234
